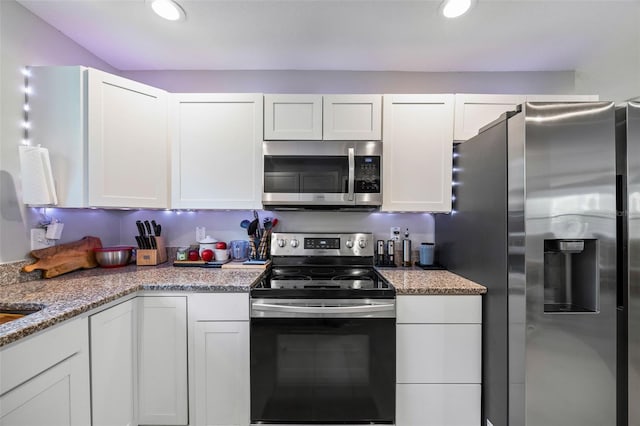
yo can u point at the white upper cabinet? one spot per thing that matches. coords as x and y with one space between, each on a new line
352 117
562 98
417 153
472 112
293 117
318 117
107 137
216 151
128 143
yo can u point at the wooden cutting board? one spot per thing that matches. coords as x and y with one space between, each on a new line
238 265
58 260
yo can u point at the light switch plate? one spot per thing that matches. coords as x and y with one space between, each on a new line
38 239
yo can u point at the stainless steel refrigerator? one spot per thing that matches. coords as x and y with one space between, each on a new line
628 144
535 222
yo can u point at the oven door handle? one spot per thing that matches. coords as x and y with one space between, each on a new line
352 174
298 309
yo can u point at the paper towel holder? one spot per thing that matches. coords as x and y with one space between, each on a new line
37 178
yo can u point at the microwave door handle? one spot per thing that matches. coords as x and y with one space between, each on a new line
352 173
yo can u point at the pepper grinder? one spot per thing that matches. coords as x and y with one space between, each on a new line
390 251
406 252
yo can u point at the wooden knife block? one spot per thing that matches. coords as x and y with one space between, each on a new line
152 257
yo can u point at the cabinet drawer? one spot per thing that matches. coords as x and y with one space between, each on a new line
438 405
439 309
218 307
438 353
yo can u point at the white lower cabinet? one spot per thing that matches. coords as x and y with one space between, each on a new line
162 360
139 362
438 404
44 380
113 365
438 360
219 359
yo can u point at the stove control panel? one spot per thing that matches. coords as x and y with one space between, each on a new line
321 244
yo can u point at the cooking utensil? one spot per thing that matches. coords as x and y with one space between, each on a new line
253 227
156 228
245 224
141 243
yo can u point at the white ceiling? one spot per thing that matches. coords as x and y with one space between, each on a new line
377 35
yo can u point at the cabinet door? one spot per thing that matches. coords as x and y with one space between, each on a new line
352 117
44 379
43 400
417 152
221 353
438 353
128 163
562 98
113 365
438 405
57 111
162 360
293 117
216 151
472 112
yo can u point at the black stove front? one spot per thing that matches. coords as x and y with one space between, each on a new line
322 334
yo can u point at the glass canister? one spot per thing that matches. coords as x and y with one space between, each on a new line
239 250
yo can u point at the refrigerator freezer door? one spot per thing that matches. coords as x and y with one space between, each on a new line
633 306
570 195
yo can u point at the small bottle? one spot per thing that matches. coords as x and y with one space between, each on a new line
182 253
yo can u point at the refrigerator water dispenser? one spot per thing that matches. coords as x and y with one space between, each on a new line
571 278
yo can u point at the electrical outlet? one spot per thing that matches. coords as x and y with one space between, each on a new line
38 239
201 233
395 233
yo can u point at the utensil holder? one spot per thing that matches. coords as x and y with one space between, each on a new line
259 248
156 256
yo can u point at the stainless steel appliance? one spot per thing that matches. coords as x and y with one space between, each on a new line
322 175
535 223
628 143
322 334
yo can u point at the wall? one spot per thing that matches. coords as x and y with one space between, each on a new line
178 228
26 40
290 81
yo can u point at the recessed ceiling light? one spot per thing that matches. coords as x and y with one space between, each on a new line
167 9
455 8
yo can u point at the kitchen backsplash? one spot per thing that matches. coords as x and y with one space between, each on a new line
179 227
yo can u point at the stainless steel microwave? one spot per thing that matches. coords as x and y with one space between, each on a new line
328 175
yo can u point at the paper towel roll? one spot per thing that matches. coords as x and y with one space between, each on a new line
37 179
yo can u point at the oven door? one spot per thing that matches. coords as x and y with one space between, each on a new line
331 367
325 174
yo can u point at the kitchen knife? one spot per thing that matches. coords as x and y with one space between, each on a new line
140 242
159 230
155 228
154 243
140 228
148 226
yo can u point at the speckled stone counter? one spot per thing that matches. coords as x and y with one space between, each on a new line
415 281
66 296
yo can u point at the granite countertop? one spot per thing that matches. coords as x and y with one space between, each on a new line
66 296
416 281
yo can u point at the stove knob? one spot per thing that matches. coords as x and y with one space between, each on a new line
281 242
294 243
349 244
362 243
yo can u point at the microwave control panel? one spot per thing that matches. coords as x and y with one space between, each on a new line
367 174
